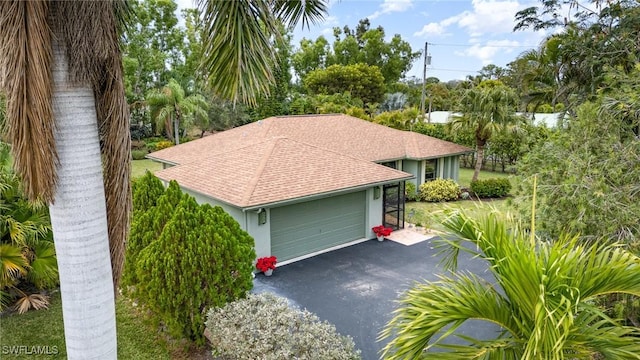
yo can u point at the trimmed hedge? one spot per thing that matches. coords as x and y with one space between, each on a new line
491 188
439 190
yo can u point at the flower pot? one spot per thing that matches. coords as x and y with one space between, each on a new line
268 272
380 238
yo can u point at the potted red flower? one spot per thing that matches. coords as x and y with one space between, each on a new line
266 264
381 231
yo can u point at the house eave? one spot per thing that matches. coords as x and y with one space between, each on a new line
323 194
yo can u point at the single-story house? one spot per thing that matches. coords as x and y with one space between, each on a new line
303 185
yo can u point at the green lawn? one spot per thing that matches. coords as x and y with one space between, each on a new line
44 328
431 215
464 178
139 167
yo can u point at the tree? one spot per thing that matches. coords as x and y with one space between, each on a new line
169 105
363 45
312 55
488 109
361 81
542 302
61 63
590 40
588 178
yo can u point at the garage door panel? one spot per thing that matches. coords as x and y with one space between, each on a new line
303 228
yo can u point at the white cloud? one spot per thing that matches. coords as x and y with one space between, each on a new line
485 53
487 16
390 6
431 29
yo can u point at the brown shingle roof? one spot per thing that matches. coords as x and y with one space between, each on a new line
275 170
340 133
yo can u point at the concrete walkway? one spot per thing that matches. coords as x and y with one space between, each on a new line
356 288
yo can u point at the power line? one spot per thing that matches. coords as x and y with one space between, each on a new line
492 46
455 70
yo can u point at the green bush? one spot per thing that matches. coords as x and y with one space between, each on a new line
491 188
163 144
183 258
439 190
410 191
138 154
265 327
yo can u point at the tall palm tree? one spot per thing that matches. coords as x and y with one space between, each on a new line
543 300
169 105
487 108
61 69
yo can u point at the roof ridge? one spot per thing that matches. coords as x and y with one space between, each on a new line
263 163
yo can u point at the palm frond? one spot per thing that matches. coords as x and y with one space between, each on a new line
291 12
12 264
25 75
31 301
43 272
426 309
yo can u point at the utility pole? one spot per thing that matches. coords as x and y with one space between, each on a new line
427 61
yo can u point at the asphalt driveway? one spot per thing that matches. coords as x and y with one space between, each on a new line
355 288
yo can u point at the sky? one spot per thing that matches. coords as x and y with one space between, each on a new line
462 35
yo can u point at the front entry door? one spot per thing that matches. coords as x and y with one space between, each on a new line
393 206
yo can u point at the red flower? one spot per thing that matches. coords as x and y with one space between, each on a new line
266 263
380 230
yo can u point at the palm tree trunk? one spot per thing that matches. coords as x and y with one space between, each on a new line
479 160
176 129
79 221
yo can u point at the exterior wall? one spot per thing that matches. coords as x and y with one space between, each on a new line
411 167
448 167
166 166
261 233
374 211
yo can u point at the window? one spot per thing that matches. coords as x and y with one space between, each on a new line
391 164
430 170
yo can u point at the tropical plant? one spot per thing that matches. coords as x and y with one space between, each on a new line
487 109
170 105
61 64
27 256
542 301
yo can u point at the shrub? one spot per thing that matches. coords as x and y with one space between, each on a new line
138 154
410 191
439 190
162 145
491 188
265 327
201 259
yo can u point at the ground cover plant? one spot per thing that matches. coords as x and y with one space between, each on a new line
265 326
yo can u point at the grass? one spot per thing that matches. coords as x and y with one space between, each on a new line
44 328
465 175
431 215
139 167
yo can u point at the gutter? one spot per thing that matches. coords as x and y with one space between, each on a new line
325 194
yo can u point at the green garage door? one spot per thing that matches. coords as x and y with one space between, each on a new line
311 226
